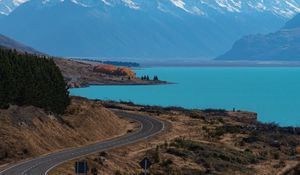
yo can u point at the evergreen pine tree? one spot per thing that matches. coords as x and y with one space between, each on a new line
31 80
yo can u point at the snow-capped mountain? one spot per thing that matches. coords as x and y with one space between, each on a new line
284 8
140 28
8 6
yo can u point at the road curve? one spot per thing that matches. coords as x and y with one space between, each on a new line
42 165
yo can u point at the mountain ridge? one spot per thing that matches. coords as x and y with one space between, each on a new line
198 7
283 45
136 28
9 43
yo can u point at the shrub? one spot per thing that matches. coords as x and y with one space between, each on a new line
167 163
156 156
276 155
178 152
3 155
216 112
254 137
219 131
118 172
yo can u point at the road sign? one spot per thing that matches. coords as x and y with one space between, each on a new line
145 164
81 167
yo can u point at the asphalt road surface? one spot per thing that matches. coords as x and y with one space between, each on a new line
42 165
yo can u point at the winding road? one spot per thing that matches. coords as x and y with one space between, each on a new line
42 165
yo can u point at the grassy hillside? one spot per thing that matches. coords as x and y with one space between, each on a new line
202 142
30 131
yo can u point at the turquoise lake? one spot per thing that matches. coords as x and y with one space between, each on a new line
274 93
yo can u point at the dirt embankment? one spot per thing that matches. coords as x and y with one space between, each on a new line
201 142
29 131
82 74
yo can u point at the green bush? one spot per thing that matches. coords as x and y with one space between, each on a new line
118 172
276 155
156 156
167 163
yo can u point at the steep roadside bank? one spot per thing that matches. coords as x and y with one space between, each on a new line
29 131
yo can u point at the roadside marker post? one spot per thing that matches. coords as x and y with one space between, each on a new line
145 164
81 167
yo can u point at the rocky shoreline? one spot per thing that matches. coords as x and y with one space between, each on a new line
82 74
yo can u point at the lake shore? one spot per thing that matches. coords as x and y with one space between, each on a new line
215 87
201 141
217 63
80 74
225 141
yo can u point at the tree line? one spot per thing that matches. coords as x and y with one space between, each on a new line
27 79
147 78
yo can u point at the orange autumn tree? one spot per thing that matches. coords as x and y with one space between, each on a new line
114 70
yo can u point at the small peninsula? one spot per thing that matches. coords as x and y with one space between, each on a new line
82 74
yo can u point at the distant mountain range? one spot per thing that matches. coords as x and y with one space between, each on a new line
281 45
140 28
6 42
285 8
8 6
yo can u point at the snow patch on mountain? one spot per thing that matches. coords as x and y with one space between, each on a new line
230 5
179 3
18 2
7 6
106 2
284 8
131 4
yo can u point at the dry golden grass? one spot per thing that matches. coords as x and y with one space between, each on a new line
38 133
181 125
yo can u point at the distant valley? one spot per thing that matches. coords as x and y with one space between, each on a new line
113 86
141 29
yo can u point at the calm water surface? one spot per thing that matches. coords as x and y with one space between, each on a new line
274 93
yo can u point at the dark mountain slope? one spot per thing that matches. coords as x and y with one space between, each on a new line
68 29
10 43
281 45
293 23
